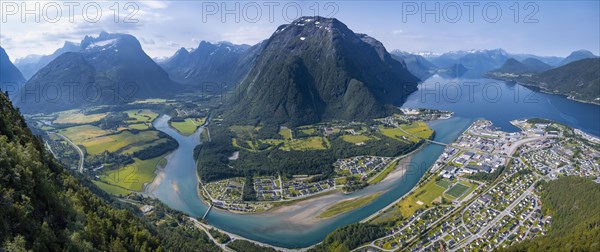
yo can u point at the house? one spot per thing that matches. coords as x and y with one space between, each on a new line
147 208
485 199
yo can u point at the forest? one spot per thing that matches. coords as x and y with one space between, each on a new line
215 164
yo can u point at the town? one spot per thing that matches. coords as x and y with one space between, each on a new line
504 208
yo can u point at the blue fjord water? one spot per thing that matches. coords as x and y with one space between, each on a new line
489 99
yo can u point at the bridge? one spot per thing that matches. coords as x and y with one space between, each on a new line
207 211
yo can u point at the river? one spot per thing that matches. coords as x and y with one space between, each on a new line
179 185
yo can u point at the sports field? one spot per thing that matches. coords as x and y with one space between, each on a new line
457 190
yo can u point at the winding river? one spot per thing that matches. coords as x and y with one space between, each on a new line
293 229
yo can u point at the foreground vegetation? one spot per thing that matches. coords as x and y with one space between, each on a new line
45 208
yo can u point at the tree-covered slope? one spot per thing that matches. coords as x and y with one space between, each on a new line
573 204
578 80
44 208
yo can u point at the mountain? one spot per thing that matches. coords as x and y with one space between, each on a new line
577 55
33 63
477 62
416 64
10 77
549 60
536 65
318 69
578 80
514 67
108 69
209 63
454 71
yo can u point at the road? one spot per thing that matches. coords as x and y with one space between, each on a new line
76 148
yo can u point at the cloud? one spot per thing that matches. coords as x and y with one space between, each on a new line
147 41
154 4
246 35
396 32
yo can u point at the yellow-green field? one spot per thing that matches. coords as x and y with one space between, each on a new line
83 133
418 129
133 176
112 143
150 101
286 133
304 144
188 126
96 140
114 190
308 130
419 198
355 139
141 119
383 174
348 205
77 117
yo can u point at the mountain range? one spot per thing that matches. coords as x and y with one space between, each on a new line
107 69
317 69
222 63
10 77
416 64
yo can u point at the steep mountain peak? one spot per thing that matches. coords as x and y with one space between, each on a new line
315 69
106 41
9 74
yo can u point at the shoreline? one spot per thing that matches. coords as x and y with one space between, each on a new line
150 188
306 212
536 88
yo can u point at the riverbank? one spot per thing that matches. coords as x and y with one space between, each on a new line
306 212
150 188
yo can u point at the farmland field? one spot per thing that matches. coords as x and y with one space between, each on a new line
77 117
309 143
115 142
188 126
115 190
133 176
355 139
286 133
81 134
418 129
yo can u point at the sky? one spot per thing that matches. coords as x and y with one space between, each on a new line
546 28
